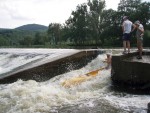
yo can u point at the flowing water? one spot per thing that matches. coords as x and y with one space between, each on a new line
92 96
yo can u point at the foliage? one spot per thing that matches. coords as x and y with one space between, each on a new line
90 24
77 24
54 33
147 38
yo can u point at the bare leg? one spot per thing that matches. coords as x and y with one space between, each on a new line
139 46
124 45
128 45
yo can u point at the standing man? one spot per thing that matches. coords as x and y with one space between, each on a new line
139 35
126 28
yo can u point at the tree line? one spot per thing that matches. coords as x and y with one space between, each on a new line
91 24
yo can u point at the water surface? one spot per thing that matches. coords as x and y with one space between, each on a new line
92 96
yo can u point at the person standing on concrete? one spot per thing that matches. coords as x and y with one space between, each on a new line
139 35
126 28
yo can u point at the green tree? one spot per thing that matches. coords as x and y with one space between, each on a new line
143 13
54 32
96 8
28 40
3 41
38 39
147 38
77 24
111 27
135 10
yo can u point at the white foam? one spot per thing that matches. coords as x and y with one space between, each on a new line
31 96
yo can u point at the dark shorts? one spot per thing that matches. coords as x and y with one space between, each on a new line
126 36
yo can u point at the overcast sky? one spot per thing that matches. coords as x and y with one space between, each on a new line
14 13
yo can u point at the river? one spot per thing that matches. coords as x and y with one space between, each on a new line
92 96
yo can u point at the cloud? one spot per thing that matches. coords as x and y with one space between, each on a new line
14 10
146 0
19 12
112 4
36 11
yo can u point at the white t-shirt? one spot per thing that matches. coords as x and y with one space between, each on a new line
127 25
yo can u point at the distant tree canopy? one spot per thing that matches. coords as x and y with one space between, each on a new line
90 24
54 32
135 10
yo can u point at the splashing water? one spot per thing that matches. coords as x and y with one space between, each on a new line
92 96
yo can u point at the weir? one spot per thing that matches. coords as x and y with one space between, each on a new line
127 71
49 69
94 95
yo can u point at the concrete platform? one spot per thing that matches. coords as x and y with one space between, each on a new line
127 71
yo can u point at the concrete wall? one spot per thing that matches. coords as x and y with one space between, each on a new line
129 73
50 69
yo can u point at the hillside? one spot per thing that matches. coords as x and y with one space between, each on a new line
3 29
32 27
23 35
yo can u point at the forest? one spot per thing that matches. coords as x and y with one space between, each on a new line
91 24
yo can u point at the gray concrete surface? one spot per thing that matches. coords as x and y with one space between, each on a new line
130 72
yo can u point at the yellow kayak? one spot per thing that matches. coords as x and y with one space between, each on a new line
80 79
75 81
